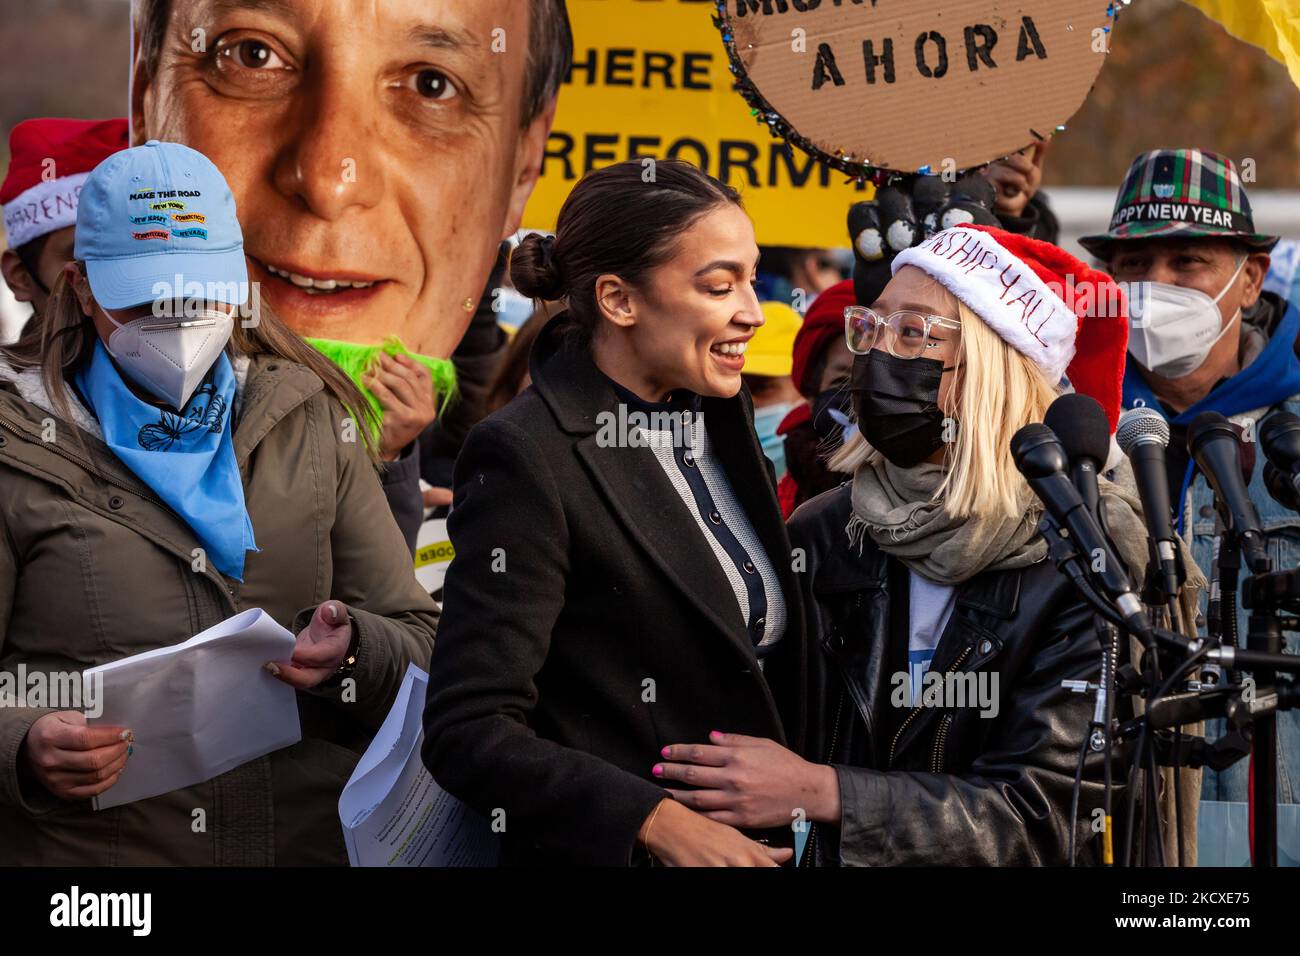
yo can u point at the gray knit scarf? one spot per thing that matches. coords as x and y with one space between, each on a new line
897 508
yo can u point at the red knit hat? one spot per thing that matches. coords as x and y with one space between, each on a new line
49 159
1072 321
824 321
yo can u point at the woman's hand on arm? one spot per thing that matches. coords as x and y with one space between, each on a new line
676 836
751 782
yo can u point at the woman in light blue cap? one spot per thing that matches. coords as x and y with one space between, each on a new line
171 455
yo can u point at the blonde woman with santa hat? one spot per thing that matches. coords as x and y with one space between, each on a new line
925 575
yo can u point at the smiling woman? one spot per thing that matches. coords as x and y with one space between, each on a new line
633 465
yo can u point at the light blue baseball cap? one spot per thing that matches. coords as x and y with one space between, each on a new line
158 222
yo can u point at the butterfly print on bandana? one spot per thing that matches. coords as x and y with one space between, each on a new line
206 411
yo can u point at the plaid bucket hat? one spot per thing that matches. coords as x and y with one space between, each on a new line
1180 193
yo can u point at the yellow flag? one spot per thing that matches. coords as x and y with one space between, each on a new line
1271 25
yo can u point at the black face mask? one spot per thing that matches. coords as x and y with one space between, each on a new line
836 397
897 404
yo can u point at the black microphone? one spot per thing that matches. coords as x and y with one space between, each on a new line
1280 436
1282 487
1040 457
1084 432
1143 435
1213 443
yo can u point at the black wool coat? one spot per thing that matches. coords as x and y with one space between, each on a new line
586 622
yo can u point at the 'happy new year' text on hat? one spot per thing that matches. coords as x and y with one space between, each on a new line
158 222
1180 193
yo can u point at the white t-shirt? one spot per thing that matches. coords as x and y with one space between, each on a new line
929 606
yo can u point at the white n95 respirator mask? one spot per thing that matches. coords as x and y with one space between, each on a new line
169 357
1172 328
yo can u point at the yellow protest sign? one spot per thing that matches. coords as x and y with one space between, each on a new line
651 79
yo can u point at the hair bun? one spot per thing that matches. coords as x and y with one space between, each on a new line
534 269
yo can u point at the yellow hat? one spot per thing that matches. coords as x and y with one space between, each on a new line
771 350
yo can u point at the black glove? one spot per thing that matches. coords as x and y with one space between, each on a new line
905 212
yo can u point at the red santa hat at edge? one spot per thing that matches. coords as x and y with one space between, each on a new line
49 159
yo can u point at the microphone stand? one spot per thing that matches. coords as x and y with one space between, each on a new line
1229 575
1264 595
1162 586
1100 732
1262 656
1264 634
1109 634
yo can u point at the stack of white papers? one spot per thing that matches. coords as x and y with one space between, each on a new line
393 812
199 708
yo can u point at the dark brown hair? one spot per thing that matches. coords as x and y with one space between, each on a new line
514 362
622 220
550 47
63 337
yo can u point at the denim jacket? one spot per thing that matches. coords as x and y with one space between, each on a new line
1282 540
1270 383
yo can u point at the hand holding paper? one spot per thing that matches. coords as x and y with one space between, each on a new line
319 648
197 709
72 760
394 813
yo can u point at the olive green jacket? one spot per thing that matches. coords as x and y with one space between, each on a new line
93 568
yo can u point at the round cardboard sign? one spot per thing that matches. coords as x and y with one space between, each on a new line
915 85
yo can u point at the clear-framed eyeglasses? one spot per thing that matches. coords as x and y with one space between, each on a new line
909 334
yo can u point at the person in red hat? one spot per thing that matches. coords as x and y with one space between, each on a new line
815 428
939 633
49 159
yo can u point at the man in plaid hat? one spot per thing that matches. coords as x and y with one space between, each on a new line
1205 336
48 161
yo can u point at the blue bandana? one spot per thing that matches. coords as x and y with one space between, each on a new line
188 460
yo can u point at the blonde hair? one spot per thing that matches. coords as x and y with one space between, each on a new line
998 391
60 338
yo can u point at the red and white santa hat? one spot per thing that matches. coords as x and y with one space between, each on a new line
1072 321
49 159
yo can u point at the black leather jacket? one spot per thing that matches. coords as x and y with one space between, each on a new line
945 785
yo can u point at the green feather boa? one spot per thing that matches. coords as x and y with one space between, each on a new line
357 361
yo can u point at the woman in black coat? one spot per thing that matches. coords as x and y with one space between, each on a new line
622 574
940 634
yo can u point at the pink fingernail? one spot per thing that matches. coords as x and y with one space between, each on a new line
664 753
658 771
715 733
